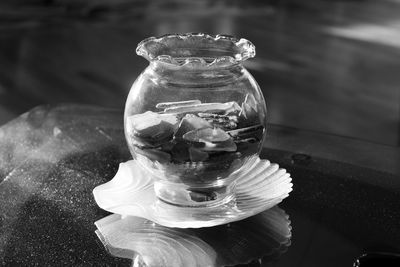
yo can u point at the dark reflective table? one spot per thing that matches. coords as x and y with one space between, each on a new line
345 201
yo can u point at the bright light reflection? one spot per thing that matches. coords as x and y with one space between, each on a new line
381 34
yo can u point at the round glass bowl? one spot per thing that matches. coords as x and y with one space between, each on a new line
195 117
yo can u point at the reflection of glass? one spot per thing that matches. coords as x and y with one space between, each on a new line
264 236
195 116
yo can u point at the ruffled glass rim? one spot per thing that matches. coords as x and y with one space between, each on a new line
198 49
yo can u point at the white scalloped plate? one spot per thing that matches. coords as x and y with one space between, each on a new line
131 192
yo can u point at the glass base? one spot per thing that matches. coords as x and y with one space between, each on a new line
187 196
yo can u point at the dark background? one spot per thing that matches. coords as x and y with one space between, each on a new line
325 66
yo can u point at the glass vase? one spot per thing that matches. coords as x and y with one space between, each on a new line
195 117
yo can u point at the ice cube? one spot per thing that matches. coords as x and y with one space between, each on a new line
190 122
218 117
213 139
228 146
165 105
143 123
214 135
218 108
169 118
249 107
255 131
225 122
152 128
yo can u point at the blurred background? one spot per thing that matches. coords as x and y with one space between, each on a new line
324 66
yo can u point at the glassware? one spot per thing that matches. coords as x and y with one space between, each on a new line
195 117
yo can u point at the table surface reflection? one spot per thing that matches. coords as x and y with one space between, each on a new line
51 158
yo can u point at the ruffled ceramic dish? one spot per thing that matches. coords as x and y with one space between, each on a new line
131 192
